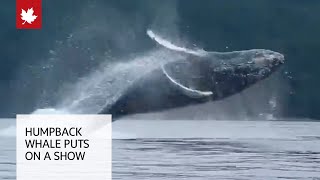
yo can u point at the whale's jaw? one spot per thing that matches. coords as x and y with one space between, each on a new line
231 78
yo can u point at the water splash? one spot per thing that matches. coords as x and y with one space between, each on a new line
104 86
8 132
50 111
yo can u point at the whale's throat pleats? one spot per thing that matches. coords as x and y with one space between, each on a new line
189 77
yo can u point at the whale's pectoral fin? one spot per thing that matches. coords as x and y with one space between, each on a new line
185 85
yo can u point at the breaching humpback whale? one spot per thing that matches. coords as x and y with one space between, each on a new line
196 79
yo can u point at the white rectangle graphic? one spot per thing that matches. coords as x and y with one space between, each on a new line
64 147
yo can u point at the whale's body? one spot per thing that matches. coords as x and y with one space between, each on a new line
195 80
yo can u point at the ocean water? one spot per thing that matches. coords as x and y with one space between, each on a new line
206 149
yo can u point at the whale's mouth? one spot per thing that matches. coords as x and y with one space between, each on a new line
267 59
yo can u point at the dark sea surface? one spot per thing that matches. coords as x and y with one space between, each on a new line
184 149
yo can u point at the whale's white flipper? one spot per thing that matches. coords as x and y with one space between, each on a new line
167 44
193 93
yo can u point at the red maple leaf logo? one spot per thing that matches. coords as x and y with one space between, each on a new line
29 14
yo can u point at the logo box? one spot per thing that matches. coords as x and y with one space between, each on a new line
28 14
